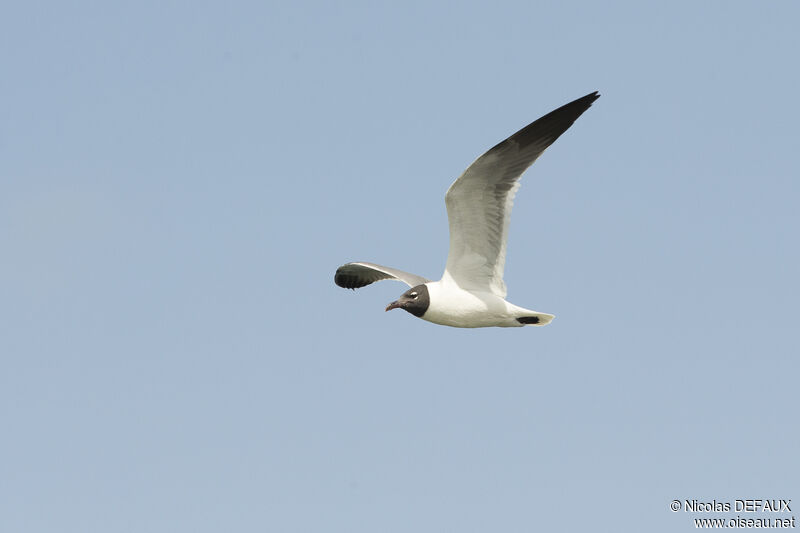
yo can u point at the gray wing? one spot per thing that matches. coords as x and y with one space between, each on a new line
356 275
479 202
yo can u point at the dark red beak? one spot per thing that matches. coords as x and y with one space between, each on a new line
393 305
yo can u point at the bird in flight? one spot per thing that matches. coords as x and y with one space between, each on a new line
471 293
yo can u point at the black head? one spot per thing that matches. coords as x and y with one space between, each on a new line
415 300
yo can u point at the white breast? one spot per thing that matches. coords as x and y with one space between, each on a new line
452 306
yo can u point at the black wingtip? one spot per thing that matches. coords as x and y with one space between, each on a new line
577 106
582 103
346 281
593 96
550 127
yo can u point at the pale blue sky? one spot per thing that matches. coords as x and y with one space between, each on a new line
180 180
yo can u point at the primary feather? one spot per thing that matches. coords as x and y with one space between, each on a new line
479 202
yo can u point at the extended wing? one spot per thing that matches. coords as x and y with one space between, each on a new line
356 275
479 202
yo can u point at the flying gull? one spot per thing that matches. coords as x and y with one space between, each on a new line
471 293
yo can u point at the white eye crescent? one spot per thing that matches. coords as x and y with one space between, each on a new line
413 295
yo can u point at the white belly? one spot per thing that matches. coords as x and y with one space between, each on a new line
452 306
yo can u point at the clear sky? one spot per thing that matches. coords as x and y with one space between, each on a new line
180 180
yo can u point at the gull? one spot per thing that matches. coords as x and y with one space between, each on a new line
472 293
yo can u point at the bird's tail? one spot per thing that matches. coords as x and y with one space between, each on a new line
535 319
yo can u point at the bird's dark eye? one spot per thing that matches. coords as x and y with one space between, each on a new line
413 295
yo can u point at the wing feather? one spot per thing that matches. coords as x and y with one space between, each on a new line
479 202
360 274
